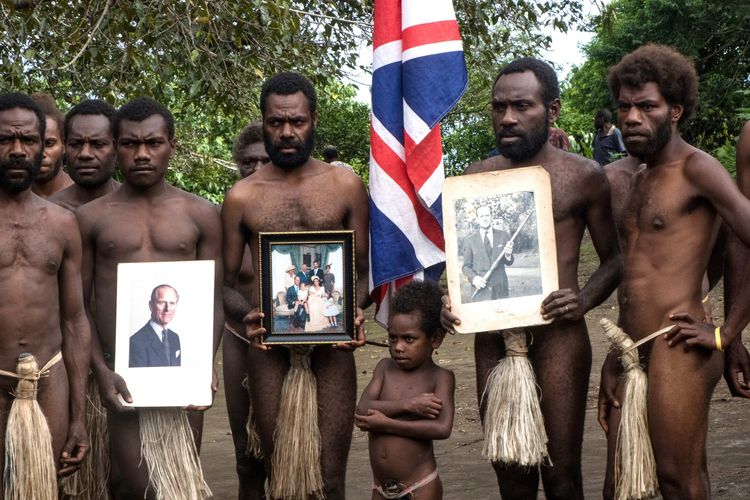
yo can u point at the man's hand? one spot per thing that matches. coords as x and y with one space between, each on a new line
75 450
692 332
608 389
425 405
254 331
479 282
508 250
563 304
373 421
736 363
447 318
110 386
359 338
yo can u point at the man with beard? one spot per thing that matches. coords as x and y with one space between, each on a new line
669 225
52 178
41 309
90 153
277 198
144 220
525 101
249 155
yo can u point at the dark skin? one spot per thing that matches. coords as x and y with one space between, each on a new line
737 288
277 199
52 178
90 153
678 197
250 470
42 303
129 225
561 351
407 404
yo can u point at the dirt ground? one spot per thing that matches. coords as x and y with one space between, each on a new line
464 472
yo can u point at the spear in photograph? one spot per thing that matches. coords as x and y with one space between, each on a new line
494 265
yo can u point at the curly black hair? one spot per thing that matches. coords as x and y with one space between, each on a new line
138 110
671 71
287 84
12 100
252 133
544 74
89 107
423 298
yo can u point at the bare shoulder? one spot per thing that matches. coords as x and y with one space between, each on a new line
57 214
622 169
698 164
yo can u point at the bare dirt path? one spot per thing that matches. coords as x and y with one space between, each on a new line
464 472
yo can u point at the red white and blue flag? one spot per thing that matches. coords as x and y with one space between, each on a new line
419 74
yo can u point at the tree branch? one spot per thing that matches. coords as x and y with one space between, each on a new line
88 40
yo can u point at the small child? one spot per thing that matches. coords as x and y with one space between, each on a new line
409 401
330 311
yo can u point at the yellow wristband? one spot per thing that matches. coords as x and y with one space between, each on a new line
717 334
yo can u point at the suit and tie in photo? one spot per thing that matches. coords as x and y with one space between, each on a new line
480 250
155 344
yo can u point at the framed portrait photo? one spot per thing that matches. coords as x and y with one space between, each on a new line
164 331
307 283
501 258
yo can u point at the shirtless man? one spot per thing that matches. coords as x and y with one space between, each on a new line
669 225
144 220
249 155
525 102
52 178
90 153
277 198
41 309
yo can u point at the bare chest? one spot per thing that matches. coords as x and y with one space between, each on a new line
663 202
30 242
136 236
296 209
400 384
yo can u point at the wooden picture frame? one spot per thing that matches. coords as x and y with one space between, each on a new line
300 313
518 205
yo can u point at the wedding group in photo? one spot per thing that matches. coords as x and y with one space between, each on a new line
653 217
311 298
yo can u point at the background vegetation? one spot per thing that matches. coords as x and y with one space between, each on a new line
206 61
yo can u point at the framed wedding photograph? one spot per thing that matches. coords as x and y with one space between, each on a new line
501 258
307 283
164 331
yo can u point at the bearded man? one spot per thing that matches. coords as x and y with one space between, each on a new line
525 102
278 198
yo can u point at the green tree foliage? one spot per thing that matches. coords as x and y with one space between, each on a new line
715 34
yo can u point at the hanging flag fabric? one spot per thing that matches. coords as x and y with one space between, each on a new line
419 74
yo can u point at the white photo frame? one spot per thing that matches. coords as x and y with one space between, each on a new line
519 204
151 382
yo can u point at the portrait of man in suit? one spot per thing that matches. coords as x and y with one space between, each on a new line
486 252
316 271
155 344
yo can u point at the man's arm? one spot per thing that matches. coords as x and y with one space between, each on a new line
425 428
566 304
110 384
209 248
236 306
358 220
76 345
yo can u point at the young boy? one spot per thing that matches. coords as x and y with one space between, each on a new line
409 401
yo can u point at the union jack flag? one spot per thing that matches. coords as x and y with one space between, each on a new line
419 74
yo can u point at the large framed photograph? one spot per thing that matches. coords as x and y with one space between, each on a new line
164 331
501 258
307 282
